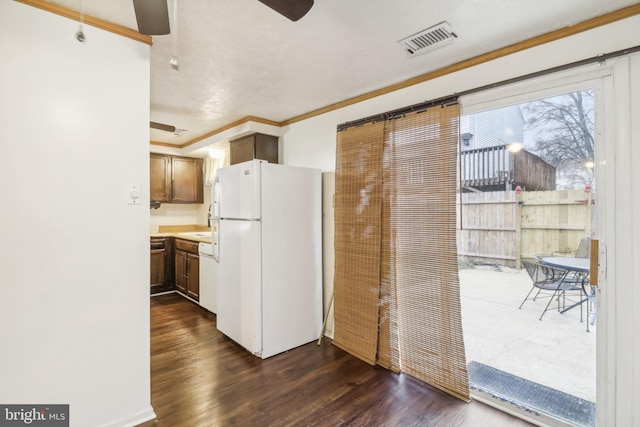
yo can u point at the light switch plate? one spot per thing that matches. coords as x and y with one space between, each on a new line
133 194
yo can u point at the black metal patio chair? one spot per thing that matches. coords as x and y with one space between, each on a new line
583 251
584 248
548 282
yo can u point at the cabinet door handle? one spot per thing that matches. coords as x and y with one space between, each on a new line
185 264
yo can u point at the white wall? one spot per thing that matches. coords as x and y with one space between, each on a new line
494 127
74 304
311 143
181 214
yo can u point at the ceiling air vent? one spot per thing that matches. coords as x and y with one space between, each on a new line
429 39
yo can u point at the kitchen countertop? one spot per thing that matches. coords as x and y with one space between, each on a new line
196 233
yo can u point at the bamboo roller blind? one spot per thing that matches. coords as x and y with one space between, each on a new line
357 239
397 300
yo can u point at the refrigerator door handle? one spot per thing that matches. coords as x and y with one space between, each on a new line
215 197
215 240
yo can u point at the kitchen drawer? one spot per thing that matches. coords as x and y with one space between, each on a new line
187 245
158 243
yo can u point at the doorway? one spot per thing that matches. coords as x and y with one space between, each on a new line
527 189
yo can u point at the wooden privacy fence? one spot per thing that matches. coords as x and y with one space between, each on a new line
502 227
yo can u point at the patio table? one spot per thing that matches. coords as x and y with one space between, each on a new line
577 265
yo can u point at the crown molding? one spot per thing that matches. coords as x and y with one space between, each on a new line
89 20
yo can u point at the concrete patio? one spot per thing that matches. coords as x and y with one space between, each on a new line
556 351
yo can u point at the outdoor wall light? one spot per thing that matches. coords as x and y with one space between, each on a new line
589 164
515 147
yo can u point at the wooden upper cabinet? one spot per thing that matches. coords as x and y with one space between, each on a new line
176 179
160 167
255 146
241 150
186 176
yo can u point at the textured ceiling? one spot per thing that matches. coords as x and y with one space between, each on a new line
239 58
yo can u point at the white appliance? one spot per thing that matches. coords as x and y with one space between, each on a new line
208 275
270 253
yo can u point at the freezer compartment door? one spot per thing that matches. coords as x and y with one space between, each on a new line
239 283
238 191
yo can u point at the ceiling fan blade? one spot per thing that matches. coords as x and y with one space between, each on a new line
161 126
152 17
292 9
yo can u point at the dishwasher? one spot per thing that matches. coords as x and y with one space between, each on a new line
208 275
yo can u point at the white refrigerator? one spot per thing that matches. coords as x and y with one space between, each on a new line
269 241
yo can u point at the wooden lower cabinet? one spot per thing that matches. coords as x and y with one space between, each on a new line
187 268
193 276
161 277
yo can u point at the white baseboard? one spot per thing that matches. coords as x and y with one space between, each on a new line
142 417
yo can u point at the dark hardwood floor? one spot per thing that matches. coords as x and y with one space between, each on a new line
201 378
